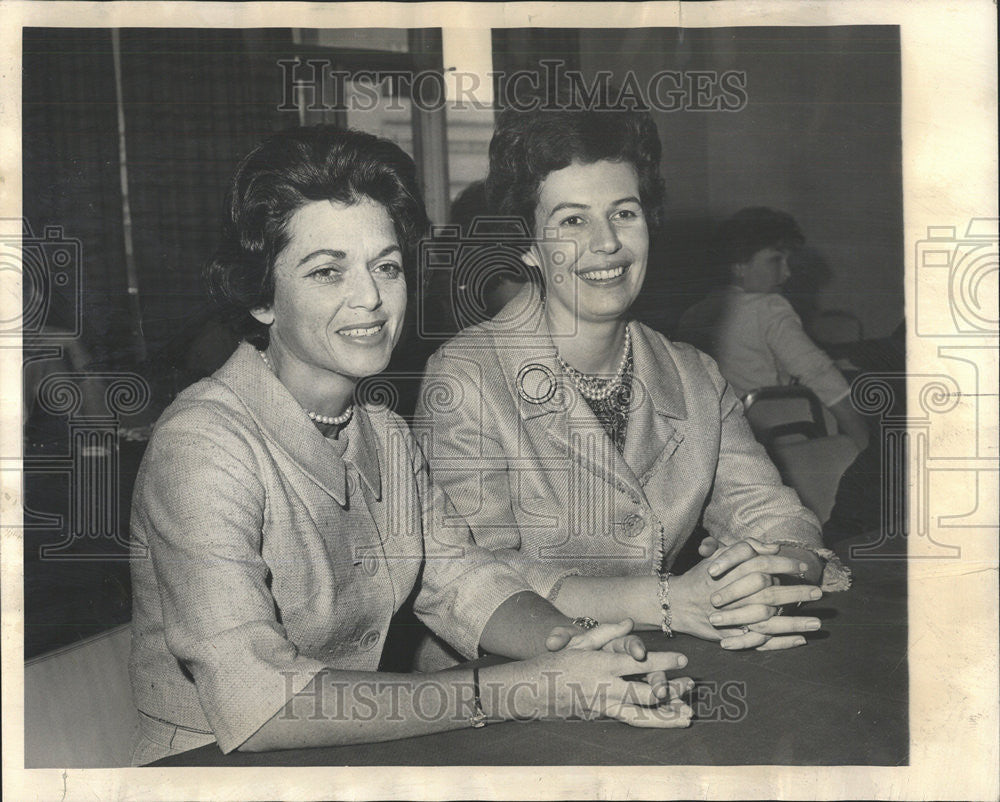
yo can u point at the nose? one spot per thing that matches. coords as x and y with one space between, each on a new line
604 238
364 292
786 271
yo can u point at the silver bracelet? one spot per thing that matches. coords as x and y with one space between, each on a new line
663 592
478 717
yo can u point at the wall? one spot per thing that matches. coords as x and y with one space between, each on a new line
819 137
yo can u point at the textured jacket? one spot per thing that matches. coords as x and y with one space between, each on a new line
525 463
264 553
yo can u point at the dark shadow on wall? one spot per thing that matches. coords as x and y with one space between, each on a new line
682 269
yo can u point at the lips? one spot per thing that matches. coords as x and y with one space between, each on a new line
363 330
608 273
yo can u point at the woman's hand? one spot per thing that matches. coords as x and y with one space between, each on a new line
737 587
761 625
692 593
575 683
690 602
812 575
774 634
759 614
607 637
615 638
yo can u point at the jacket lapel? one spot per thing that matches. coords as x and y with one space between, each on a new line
550 405
657 401
282 421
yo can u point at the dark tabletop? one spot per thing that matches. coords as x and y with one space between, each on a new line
840 700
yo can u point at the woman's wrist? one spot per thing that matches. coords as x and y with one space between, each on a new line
492 681
612 599
515 690
648 611
678 595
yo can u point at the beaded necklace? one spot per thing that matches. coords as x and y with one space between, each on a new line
596 388
609 399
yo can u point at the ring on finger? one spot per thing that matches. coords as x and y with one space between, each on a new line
745 629
779 611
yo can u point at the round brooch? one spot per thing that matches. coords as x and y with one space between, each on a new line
536 384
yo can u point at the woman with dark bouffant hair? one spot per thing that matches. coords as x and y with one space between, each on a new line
279 519
582 447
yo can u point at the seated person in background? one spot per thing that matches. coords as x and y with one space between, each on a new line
751 329
55 352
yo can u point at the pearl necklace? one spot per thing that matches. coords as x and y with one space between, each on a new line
594 388
327 420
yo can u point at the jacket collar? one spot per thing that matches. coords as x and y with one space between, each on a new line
282 421
528 357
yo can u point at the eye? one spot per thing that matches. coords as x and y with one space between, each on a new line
573 221
326 274
626 215
388 269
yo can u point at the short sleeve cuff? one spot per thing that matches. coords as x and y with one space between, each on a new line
249 706
460 615
543 578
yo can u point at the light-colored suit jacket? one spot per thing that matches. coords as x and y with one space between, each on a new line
526 464
264 553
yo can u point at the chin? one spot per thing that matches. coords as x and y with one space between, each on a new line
360 368
607 308
367 371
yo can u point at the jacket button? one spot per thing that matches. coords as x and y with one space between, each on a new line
369 564
371 637
634 524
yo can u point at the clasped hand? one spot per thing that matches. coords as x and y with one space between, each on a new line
631 702
733 596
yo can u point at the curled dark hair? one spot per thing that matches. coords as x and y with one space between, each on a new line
278 177
753 229
528 145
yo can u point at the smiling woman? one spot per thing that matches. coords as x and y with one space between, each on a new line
595 265
337 311
278 523
582 448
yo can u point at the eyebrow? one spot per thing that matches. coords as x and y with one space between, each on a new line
566 205
334 254
394 248
569 205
